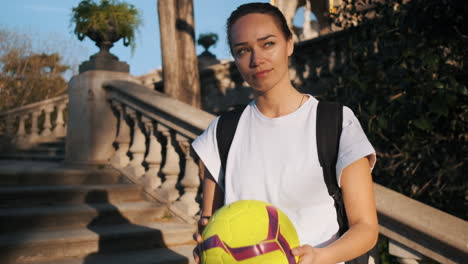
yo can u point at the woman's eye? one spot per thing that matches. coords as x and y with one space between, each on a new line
241 52
269 44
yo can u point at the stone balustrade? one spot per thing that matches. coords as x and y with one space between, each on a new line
35 123
153 143
153 148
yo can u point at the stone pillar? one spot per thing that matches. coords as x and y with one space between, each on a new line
288 8
321 11
92 126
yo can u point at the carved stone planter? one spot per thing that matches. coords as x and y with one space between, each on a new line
104 60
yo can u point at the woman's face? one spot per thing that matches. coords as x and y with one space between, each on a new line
261 51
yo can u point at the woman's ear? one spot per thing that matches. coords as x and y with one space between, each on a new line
290 46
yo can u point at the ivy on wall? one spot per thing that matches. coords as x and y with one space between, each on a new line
402 66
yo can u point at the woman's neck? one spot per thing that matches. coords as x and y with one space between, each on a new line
280 100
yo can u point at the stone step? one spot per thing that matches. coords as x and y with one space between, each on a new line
51 150
173 255
35 195
95 243
45 156
80 215
58 143
56 175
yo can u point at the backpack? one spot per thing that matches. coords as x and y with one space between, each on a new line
329 126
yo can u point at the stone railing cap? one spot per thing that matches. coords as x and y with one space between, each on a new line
441 230
32 106
160 107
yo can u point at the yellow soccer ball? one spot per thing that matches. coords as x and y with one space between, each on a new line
249 232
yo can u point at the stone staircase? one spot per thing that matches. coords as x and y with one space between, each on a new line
50 213
51 151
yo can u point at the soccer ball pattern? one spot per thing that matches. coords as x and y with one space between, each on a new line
249 232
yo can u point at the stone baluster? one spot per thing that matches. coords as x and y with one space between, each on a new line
137 149
191 180
20 139
59 129
46 132
9 125
170 169
153 158
120 158
21 127
404 254
34 135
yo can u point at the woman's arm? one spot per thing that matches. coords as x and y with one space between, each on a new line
213 196
213 199
358 197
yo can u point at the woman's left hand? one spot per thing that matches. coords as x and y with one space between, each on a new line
309 255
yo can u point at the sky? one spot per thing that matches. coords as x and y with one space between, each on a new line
47 22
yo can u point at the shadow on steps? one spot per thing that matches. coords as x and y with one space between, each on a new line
142 238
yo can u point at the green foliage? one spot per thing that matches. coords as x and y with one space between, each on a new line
207 40
109 15
406 79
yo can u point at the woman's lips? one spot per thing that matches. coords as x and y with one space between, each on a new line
262 74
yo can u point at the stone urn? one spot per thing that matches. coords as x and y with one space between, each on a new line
104 60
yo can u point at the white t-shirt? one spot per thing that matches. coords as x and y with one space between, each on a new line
275 160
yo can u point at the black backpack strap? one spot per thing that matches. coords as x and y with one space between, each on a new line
329 126
225 130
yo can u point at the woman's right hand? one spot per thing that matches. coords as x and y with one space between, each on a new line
198 238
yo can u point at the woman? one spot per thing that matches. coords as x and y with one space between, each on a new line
273 156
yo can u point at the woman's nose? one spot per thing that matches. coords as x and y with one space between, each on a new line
256 58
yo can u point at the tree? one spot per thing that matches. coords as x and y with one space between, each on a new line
27 76
179 59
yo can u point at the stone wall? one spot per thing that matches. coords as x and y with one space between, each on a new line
222 88
315 62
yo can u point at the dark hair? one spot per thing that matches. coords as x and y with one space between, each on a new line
258 8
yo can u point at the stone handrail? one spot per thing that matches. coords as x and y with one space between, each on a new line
33 106
421 230
162 108
163 129
19 119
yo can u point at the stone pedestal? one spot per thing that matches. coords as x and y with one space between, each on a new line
92 125
104 60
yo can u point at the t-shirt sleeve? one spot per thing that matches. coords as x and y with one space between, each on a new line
206 147
353 144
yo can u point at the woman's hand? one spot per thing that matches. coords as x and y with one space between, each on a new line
198 238
310 255
213 199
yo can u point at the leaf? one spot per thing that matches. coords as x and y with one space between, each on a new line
424 124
